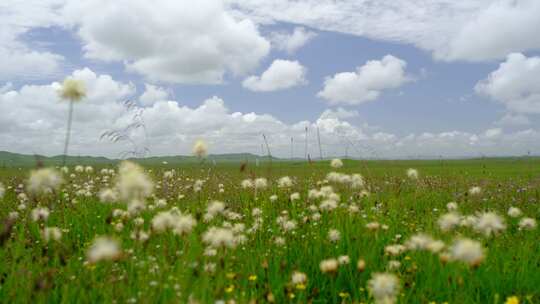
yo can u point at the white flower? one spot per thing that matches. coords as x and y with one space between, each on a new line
394 250
344 260
527 223
295 196
489 223
200 149
2 190
72 90
184 224
475 190
285 182
449 221
44 180
412 173
514 212
384 287
334 235
468 251
329 265
273 198
247 183
452 206
107 196
133 183
298 278
217 237
261 183
103 249
51 233
40 214
336 163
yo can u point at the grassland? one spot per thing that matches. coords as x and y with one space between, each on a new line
172 268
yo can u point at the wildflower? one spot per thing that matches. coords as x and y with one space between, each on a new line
133 184
2 190
329 265
452 206
219 238
373 226
468 251
514 212
184 224
344 260
200 149
73 90
512 300
357 181
394 250
44 181
412 173
298 278
285 182
489 223
51 233
475 190
273 198
394 264
384 287
260 183
295 196
527 223
336 163
40 214
247 183
361 265
103 249
108 196
449 221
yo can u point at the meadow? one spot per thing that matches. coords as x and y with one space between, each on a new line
431 231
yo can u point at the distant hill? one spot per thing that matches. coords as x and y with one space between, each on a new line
8 159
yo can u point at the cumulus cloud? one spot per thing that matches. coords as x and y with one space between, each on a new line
366 83
510 119
501 28
32 120
291 42
167 40
451 30
19 59
152 94
514 84
282 74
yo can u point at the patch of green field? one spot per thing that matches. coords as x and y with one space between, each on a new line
169 268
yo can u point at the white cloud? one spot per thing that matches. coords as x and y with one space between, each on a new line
366 83
32 120
152 94
514 84
290 43
503 27
282 74
168 40
450 30
510 119
19 59
339 113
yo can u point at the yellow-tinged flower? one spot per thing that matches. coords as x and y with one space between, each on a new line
229 289
512 300
252 278
73 89
300 286
344 294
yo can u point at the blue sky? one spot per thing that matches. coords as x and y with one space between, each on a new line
451 88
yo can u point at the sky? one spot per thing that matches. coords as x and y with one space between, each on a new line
370 78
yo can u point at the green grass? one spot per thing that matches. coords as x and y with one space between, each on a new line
171 269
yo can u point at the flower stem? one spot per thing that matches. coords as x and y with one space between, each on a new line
68 133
